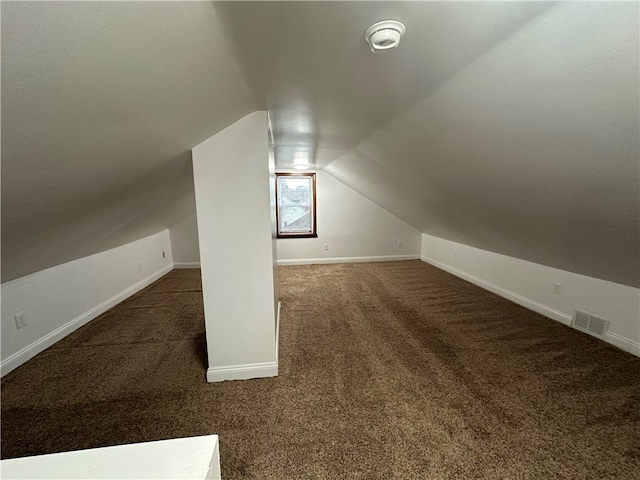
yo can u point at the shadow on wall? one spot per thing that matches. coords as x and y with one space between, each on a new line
152 203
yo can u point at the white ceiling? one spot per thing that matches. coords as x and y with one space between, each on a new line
326 91
509 126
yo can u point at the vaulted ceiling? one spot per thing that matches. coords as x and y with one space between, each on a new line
509 126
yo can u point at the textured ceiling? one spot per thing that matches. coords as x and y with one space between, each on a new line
508 126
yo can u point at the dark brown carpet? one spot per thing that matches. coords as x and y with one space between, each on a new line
387 370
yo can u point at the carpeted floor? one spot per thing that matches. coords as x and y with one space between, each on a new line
387 370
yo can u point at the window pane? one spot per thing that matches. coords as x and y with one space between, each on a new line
295 219
296 210
294 191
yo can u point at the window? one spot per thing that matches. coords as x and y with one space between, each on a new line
296 205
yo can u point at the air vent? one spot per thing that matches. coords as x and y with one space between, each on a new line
581 320
590 323
598 325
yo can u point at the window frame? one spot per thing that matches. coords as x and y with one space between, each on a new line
314 224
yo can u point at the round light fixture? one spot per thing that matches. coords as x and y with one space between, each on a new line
301 160
384 36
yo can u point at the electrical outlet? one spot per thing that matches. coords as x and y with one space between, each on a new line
20 320
399 244
163 254
557 288
139 266
325 246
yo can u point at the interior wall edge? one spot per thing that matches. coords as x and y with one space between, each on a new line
57 301
532 286
277 340
235 237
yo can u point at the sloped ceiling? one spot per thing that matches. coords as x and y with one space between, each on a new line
101 104
509 126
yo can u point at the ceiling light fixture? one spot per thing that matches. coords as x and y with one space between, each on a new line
384 36
301 160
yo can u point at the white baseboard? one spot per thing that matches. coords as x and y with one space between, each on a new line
611 338
622 343
382 258
186 264
278 332
242 372
45 342
514 297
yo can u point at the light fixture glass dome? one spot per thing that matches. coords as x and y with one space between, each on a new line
384 36
301 160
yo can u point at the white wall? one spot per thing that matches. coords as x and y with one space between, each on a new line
184 243
531 285
355 228
232 187
58 300
190 458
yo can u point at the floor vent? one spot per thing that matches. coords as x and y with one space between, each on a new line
590 323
